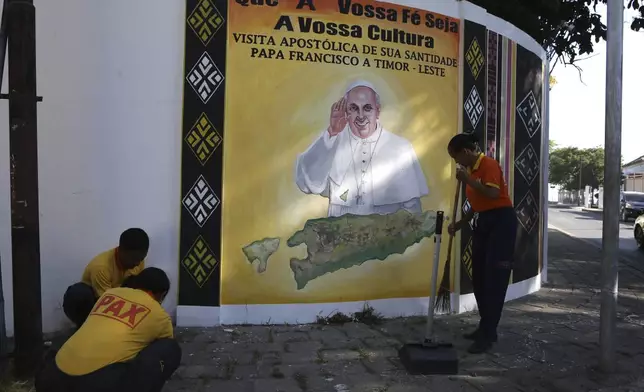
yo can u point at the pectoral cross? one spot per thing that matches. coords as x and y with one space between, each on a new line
359 199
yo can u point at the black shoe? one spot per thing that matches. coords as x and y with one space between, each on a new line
477 334
479 347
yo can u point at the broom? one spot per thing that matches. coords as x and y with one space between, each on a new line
444 292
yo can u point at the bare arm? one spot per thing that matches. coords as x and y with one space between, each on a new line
491 192
466 218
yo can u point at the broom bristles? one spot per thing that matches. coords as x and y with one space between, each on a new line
443 296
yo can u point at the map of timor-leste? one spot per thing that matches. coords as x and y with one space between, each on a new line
343 242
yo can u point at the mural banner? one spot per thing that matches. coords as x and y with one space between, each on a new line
338 115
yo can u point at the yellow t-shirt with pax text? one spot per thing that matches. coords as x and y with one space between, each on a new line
102 273
123 322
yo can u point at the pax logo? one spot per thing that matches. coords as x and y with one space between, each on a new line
119 309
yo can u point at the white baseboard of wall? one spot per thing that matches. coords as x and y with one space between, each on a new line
308 313
209 316
467 302
198 316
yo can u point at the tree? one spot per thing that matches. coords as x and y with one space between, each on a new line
566 163
565 28
552 145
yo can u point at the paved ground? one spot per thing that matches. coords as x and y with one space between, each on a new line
588 225
548 342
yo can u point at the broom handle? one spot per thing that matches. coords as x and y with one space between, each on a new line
457 195
429 332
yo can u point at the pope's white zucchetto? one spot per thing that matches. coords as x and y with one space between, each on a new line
360 83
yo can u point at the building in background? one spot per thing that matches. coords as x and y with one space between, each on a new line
634 175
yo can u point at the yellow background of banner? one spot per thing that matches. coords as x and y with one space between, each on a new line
275 109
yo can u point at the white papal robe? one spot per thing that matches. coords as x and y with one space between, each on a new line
377 175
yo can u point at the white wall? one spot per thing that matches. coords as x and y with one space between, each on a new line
553 193
109 130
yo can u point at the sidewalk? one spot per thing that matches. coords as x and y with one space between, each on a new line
548 342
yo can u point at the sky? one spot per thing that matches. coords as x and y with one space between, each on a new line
577 109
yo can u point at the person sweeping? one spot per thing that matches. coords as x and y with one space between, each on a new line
493 238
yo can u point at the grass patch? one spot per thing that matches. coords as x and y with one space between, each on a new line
367 316
320 357
235 335
7 385
337 318
363 354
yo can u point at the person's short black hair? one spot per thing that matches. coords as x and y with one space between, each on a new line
463 141
134 239
151 279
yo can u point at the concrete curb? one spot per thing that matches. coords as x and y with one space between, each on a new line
594 210
561 206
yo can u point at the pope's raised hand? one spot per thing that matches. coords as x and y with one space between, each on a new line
338 118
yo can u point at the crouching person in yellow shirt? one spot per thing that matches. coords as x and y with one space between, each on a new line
126 344
107 270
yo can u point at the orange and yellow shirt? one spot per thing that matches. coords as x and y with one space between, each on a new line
103 273
487 171
123 322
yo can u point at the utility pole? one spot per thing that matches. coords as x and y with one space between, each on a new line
3 51
612 180
23 147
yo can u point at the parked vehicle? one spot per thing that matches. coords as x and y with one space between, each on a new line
632 205
638 231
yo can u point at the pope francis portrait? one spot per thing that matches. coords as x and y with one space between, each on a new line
357 164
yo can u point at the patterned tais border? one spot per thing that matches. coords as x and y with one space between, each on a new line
501 105
528 146
475 76
493 94
202 152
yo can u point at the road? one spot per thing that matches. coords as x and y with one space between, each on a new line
588 226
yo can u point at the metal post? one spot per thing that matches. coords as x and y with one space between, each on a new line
3 40
3 51
580 193
612 179
438 232
23 147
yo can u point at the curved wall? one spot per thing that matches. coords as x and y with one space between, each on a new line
161 115
109 145
279 220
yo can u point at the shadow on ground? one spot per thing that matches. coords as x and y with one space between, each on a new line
548 342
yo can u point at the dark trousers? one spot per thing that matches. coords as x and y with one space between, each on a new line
493 243
78 302
148 372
